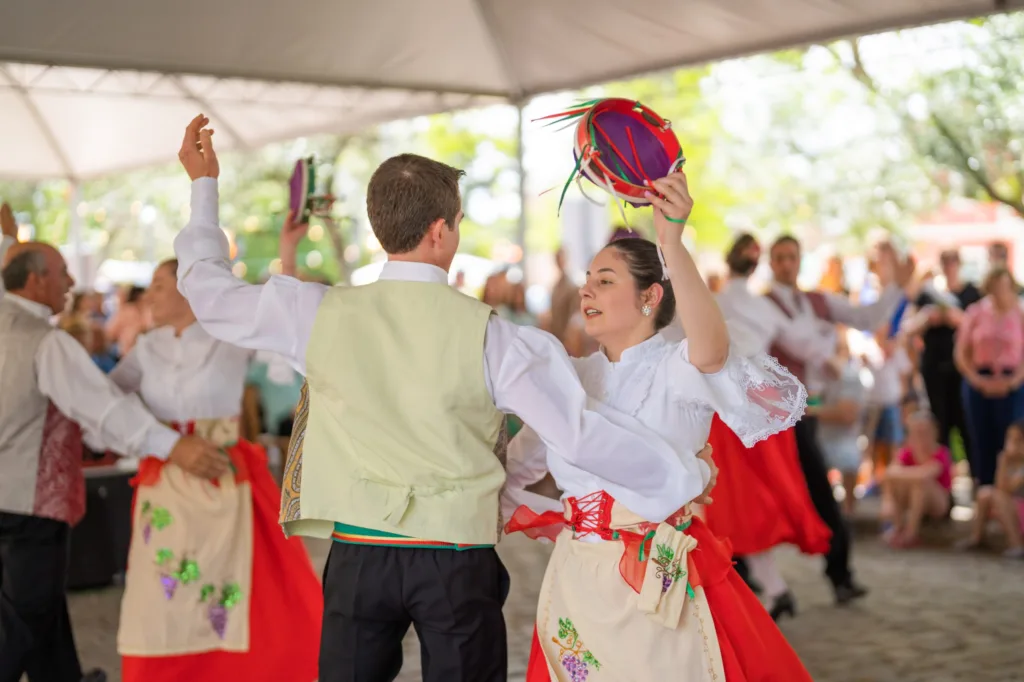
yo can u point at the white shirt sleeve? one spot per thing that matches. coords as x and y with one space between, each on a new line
753 394
127 375
527 463
865 317
533 378
111 419
277 316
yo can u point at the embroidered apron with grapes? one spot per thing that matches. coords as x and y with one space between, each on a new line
592 624
189 573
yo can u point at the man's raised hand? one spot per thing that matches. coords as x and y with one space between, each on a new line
197 154
8 224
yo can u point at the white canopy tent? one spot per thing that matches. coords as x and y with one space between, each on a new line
89 88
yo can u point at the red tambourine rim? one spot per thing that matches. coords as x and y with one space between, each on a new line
593 166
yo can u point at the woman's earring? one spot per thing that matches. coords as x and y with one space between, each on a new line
646 310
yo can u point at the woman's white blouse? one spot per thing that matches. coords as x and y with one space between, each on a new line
655 383
187 377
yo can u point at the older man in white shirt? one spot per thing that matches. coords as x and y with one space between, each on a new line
52 392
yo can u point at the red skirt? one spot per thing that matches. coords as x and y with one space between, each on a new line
753 648
761 498
285 610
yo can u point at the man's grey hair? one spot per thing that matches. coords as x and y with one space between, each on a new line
17 270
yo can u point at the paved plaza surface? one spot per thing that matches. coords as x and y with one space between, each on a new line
933 615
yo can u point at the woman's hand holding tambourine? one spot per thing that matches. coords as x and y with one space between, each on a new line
672 206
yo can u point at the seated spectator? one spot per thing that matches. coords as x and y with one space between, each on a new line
1008 493
918 484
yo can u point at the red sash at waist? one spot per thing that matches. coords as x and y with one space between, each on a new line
591 514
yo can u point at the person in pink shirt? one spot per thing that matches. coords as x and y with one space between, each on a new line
919 484
989 353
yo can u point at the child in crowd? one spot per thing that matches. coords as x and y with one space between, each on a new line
891 369
1008 493
918 484
840 417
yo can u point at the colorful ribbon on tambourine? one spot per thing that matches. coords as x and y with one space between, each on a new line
621 146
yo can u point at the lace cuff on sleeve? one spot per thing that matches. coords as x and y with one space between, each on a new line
754 395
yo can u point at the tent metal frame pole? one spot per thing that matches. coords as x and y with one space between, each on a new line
75 235
521 169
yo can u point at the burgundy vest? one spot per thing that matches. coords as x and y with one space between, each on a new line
819 304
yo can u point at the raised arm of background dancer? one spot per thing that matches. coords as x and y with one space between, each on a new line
288 246
894 275
277 316
532 377
696 308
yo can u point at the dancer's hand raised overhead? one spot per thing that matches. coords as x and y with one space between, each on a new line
196 154
672 208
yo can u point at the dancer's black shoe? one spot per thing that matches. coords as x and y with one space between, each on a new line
782 605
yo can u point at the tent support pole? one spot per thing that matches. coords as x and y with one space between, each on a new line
75 237
521 169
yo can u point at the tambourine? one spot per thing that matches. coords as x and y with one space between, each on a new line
621 146
304 202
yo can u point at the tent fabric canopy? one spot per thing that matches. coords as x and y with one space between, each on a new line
89 88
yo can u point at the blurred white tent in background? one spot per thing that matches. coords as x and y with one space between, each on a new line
90 88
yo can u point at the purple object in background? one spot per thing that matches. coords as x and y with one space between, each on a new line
299 190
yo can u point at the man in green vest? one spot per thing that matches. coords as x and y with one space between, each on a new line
393 452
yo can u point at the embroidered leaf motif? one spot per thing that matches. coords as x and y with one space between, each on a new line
576 660
208 591
566 630
589 658
188 572
163 556
161 518
231 595
665 554
146 506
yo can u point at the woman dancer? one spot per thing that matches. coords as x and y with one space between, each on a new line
214 590
761 500
628 592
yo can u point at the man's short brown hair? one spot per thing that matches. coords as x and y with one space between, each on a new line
407 194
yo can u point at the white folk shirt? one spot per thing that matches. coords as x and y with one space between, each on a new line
526 371
655 383
76 386
814 340
187 377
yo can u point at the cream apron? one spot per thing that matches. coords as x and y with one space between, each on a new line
189 576
592 625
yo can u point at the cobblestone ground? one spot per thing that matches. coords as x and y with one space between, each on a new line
933 615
